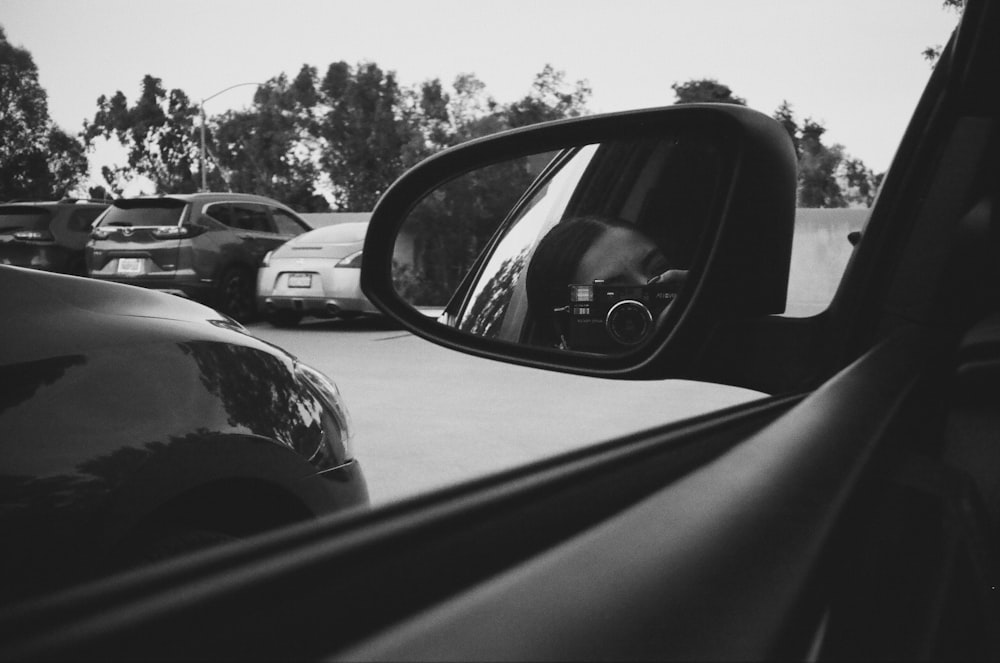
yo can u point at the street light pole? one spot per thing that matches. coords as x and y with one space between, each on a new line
201 156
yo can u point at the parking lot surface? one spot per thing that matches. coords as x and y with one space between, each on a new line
426 417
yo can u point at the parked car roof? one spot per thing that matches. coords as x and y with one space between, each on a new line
207 196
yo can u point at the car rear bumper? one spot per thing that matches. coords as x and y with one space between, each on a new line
323 291
317 306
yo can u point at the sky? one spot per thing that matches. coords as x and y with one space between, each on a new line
853 65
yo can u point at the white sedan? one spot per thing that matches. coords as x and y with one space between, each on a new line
317 274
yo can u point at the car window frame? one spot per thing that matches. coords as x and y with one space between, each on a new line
258 211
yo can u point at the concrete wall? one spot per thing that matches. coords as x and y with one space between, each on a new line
820 251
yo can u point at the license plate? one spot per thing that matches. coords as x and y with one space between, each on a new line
300 280
130 265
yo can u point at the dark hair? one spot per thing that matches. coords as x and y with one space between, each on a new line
555 261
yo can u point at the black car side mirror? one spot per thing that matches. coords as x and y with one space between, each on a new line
611 245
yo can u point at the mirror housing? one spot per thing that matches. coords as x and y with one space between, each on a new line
744 257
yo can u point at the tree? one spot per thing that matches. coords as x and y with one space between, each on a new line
269 149
37 159
363 131
158 132
859 183
827 175
818 165
551 98
705 90
932 53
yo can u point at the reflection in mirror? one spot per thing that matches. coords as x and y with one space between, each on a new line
587 249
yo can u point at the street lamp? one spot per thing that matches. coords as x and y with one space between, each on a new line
204 176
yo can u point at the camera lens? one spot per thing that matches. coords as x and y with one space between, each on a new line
628 322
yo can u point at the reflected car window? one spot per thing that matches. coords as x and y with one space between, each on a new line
491 298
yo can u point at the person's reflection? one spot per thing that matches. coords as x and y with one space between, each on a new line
585 250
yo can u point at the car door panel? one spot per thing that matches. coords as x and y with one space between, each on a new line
727 562
725 555
369 570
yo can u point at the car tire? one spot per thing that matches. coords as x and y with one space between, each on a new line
285 319
236 295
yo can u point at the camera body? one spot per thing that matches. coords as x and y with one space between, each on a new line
605 317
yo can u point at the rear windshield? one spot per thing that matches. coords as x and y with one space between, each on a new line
23 218
143 212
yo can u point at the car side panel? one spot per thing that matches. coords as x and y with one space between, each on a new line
62 462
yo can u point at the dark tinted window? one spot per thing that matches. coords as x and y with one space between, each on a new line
221 213
145 212
286 223
247 216
23 218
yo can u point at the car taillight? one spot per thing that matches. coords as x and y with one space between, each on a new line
100 233
352 261
177 232
34 236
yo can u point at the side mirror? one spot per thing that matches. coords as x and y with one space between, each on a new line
611 245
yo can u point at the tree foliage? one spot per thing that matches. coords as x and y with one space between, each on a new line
158 132
705 90
932 53
363 133
551 98
268 149
827 175
38 160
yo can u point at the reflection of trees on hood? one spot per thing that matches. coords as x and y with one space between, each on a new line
256 389
38 512
21 381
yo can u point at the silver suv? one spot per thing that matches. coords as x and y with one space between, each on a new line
205 246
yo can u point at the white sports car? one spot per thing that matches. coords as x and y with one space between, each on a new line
317 274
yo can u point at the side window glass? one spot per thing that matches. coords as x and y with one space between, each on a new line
221 213
286 223
247 216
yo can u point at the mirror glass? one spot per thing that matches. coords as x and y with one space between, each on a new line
591 248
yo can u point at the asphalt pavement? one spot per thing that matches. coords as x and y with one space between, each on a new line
426 417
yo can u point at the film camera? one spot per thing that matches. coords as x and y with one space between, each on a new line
607 317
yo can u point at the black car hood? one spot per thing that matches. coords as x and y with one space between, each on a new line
48 314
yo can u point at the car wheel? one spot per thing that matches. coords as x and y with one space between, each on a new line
235 296
285 318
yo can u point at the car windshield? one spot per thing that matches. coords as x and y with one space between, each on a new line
164 212
23 218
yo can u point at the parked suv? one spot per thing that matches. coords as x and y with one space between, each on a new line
48 235
206 246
